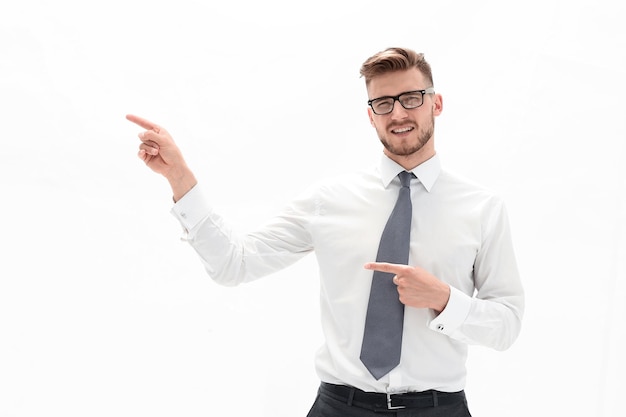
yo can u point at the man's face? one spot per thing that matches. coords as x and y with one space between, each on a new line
405 133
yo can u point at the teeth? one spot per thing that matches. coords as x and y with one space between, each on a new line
404 129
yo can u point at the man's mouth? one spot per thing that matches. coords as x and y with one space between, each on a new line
402 130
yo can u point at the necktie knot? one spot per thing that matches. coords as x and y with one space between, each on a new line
405 178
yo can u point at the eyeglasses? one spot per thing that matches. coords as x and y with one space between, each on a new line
408 100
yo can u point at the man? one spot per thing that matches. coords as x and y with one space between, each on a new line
453 282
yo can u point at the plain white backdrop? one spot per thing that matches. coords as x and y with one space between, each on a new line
105 312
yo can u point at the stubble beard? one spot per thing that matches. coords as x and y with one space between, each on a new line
406 149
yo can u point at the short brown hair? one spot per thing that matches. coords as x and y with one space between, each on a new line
395 59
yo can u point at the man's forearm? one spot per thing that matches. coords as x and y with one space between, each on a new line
181 182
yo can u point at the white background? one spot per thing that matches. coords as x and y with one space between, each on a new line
105 312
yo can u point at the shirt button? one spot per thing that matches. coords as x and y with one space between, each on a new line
183 215
440 327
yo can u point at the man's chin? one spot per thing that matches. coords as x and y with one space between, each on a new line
404 150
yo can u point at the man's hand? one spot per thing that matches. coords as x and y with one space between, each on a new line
416 287
160 153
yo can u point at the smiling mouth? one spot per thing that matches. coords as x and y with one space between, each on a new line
402 130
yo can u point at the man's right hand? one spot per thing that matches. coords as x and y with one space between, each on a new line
159 152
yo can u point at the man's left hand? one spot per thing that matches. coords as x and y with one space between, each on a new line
416 287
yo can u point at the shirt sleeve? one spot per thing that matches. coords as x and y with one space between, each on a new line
190 210
231 258
492 316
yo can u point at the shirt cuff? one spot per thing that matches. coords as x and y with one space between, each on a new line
191 209
453 316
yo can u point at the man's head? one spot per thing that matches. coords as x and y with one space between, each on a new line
402 103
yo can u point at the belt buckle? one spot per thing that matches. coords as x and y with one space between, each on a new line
390 406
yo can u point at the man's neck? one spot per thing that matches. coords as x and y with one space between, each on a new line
409 162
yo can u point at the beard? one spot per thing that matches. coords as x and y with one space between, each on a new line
405 149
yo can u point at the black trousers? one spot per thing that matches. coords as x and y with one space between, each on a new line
327 405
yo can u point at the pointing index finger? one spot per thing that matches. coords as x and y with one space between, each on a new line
146 124
385 267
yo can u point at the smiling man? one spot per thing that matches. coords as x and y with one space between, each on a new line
415 263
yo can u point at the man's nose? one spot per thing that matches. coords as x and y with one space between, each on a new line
398 111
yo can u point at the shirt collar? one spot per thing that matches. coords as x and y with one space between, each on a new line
427 172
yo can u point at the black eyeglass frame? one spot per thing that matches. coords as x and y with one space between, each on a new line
430 90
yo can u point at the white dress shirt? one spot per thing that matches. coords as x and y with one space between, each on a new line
459 233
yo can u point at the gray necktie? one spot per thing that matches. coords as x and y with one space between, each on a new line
382 339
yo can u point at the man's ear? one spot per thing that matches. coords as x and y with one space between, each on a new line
437 105
370 115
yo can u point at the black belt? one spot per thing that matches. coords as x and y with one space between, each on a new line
380 402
